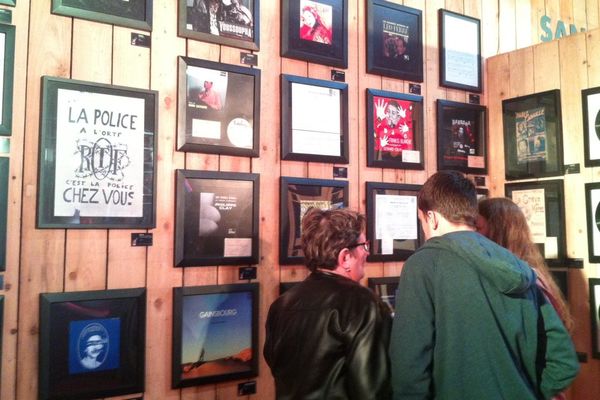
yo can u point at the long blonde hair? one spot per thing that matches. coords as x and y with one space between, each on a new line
508 227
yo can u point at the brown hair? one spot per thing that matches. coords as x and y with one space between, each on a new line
326 232
452 195
508 227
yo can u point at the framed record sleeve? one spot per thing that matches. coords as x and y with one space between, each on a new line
590 99
592 200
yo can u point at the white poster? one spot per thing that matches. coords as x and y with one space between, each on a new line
99 155
461 46
532 203
395 217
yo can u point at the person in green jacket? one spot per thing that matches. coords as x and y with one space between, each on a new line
470 322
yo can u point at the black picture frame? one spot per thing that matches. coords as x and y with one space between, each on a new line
590 101
461 137
9 2
395 130
218 108
460 51
592 201
543 205
386 288
561 278
232 25
216 218
532 128
7 52
389 204
4 173
135 14
394 40
100 171
219 322
72 322
298 195
326 42
314 120
1 325
594 290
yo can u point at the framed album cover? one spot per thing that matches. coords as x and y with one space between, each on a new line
594 286
216 218
215 334
460 51
92 343
232 23
394 40
590 100
218 108
461 137
97 156
385 288
394 130
533 135
297 196
393 227
4 170
7 58
543 204
135 14
315 31
592 200
314 120
9 2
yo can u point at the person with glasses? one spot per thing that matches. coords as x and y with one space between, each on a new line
327 337
470 321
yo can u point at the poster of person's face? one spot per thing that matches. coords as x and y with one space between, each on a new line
393 126
220 108
461 141
94 345
316 20
531 135
225 18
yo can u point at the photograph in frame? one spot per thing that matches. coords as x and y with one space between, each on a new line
315 31
393 227
7 57
216 218
590 100
461 137
542 203
594 287
225 22
314 120
215 334
394 40
135 14
385 288
532 127
460 51
297 196
97 156
218 108
592 200
92 343
394 130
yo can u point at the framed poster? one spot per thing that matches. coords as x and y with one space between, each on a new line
314 120
1 324
218 108
461 137
590 100
394 40
386 289
4 170
542 202
533 135
9 2
460 51
216 218
99 172
215 334
594 285
393 227
592 201
135 14
92 343
7 57
394 130
297 196
232 23
315 31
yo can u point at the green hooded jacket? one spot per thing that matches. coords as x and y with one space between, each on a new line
470 323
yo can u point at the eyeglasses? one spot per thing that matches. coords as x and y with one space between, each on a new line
366 245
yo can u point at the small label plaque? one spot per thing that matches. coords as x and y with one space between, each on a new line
141 239
572 169
247 273
414 88
473 98
338 76
340 172
139 39
246 388
249 59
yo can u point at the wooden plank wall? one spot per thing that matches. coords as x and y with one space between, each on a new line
73 260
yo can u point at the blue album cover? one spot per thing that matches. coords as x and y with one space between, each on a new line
94 345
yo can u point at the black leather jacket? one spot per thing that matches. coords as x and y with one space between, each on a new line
327 338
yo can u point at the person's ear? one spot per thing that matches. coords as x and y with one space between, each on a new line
433 219
344 258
